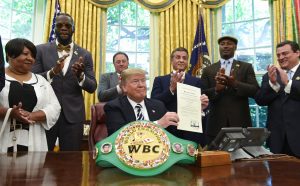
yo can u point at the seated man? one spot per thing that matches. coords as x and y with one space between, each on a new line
135 106
109 87
124 109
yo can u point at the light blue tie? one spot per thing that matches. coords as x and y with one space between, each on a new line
139 115
226 66
290 74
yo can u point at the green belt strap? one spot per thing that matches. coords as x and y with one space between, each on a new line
144 148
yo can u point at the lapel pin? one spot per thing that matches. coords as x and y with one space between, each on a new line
75 52
153 111
297 78
237 65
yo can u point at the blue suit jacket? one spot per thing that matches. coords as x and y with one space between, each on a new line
283 113
161 91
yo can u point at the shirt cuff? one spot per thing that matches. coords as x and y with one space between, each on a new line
275 87
81 82
119 89
48 77
288 87
172 92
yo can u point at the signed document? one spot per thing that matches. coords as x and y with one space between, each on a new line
189 108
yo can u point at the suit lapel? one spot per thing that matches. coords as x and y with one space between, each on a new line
235 66
53 50
296 76
115 79
151 110
127 109
74 58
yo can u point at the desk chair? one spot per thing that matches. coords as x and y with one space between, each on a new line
98 129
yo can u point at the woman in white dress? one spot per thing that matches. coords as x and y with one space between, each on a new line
28 105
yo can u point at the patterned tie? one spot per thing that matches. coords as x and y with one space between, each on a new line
61 47
139 115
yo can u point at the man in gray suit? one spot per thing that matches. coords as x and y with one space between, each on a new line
228 84
69 69
109 87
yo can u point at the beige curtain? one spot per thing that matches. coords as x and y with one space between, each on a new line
283 22
90 33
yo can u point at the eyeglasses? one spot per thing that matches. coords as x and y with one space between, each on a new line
60 25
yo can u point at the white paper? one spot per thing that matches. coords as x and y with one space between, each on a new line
189 108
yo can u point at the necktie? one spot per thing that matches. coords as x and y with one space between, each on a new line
290 74
139 115
226 66
61 47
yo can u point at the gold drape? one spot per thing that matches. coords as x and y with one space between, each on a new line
282 22
90 33
177 27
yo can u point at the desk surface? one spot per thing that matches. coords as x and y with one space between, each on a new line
78 168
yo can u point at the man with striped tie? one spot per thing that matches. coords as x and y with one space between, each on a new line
280 91
134 105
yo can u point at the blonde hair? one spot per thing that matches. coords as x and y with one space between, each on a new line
130 72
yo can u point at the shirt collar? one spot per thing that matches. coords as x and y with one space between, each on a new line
295 68
133 103
230 60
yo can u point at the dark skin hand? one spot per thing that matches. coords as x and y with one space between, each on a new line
223 80
220 80
59 65
78 68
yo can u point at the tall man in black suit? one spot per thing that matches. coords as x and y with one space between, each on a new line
280 91
228 84
69 69
126 109
164 89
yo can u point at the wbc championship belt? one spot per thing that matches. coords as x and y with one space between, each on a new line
144 148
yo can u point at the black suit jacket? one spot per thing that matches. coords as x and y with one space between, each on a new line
119 112
229 108
161 91
283 113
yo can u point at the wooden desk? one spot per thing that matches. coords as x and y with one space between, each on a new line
78 168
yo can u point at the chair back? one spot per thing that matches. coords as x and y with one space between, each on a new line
98 129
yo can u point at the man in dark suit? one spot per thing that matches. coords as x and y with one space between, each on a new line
134 105
228 84
69 69
109 87
280 91
164 89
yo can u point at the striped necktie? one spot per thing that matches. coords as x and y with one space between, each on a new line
139 115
